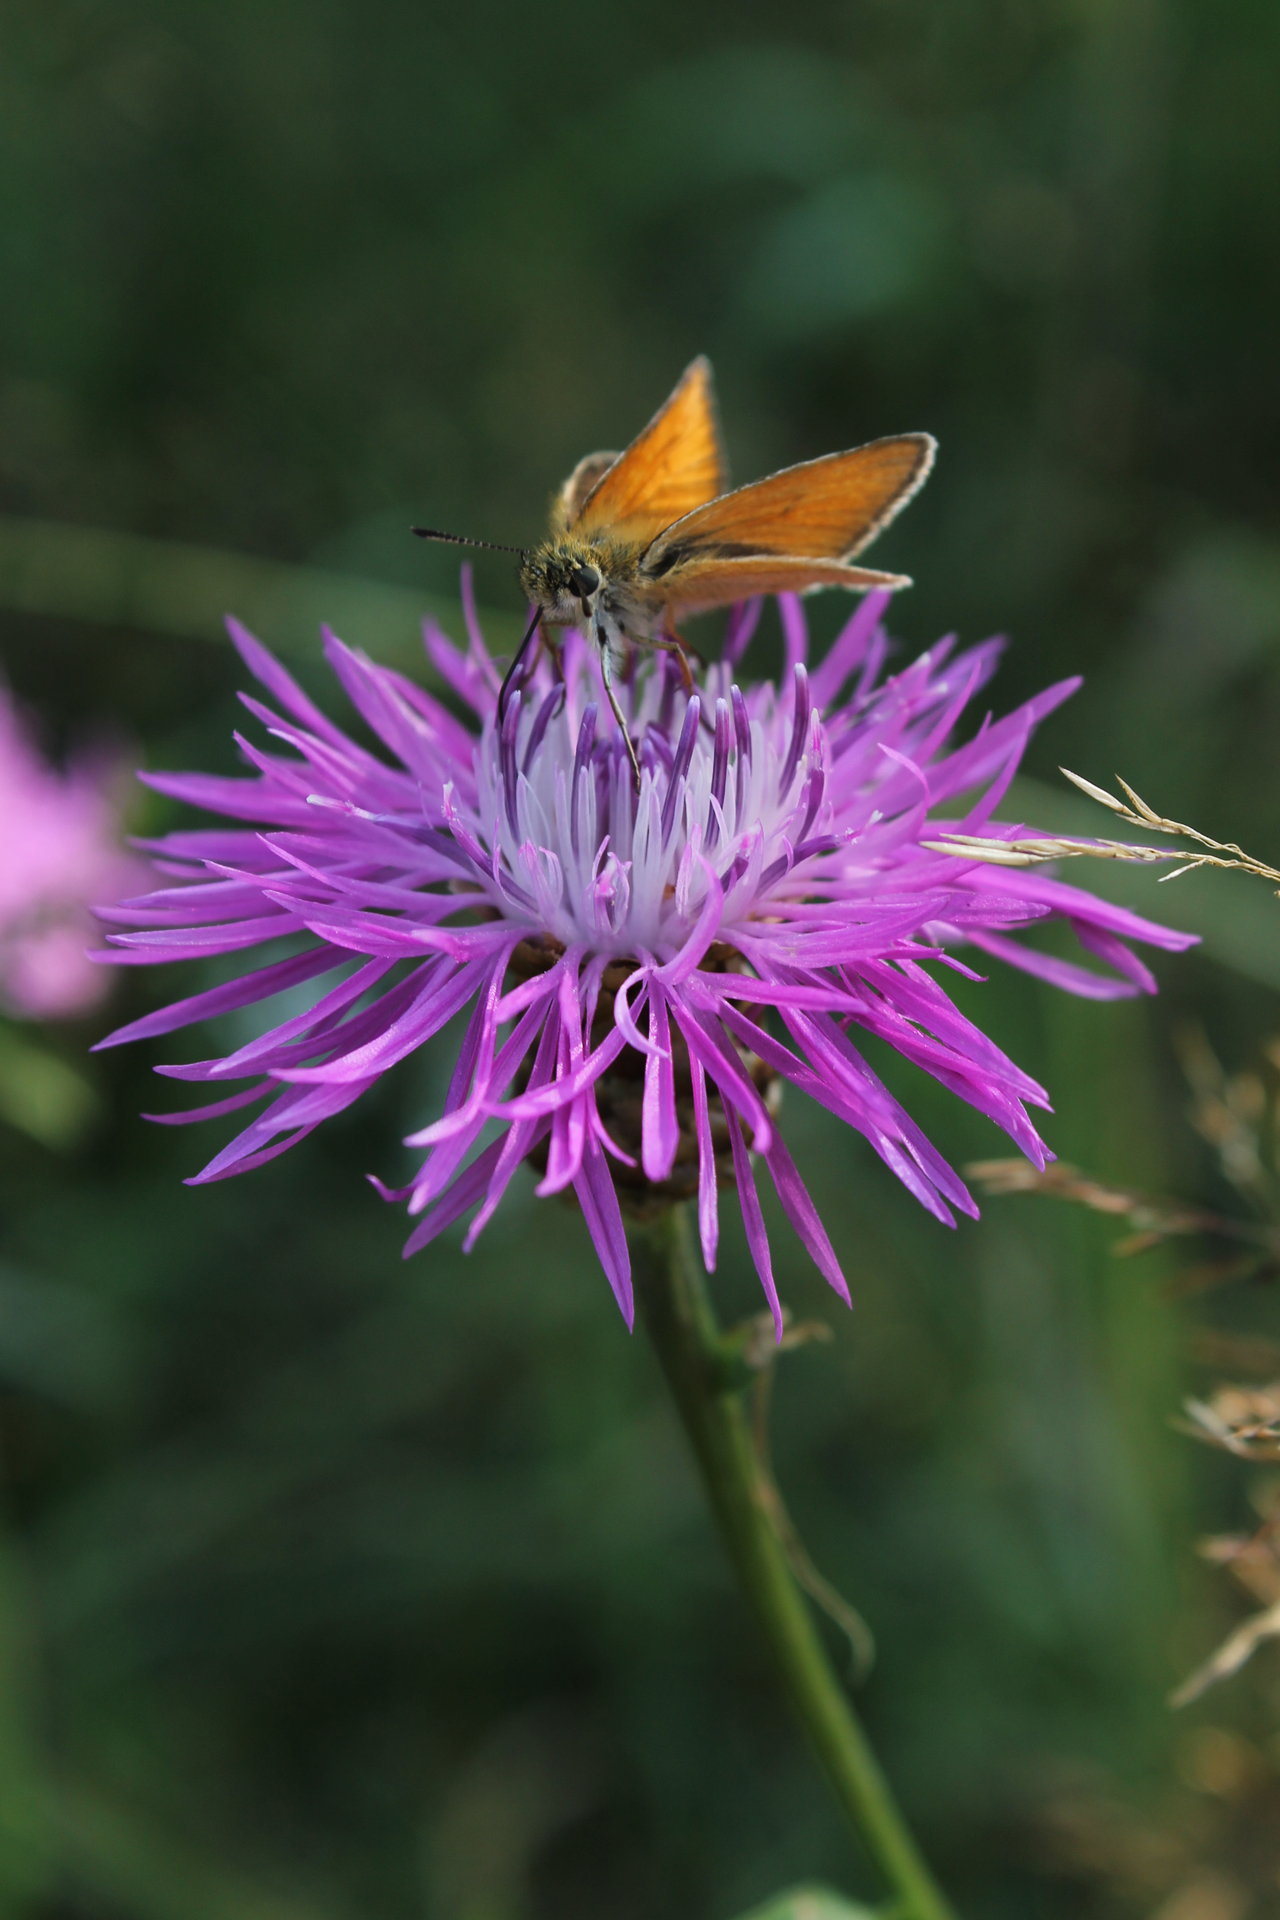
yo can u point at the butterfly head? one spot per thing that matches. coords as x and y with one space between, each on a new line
565 578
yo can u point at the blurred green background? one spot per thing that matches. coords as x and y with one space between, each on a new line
332 1586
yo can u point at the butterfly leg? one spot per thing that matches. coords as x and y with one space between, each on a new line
606 674
672 642
555 653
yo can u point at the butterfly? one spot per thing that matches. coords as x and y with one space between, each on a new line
640 538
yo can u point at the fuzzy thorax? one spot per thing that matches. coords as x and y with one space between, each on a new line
571 579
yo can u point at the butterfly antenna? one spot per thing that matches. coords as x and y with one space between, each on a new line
504 691
461 540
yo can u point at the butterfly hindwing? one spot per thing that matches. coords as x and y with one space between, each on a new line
576 490
703 581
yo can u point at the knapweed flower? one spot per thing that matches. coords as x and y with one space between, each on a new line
642 968
59 852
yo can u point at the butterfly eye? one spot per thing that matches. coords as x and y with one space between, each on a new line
585 581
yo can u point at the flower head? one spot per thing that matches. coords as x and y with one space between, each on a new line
642 969
59 851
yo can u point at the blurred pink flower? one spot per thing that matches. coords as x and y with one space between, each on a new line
59 853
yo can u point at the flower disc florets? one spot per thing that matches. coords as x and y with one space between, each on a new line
632 960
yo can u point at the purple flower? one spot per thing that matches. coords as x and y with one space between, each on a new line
643 969
59 850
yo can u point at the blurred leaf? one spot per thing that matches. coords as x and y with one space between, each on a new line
534 1776
171 587
58 1341
55 1830
855 248
1212 614
25 1836
810 1903
121 1860
775 111
41 1095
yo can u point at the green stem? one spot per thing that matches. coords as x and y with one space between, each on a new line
697 1363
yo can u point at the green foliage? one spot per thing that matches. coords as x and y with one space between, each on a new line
41 1094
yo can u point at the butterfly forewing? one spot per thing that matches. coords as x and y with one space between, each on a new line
824 509
676 464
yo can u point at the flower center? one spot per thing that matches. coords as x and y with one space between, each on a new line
731 793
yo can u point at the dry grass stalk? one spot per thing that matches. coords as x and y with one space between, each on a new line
1150 1219
1033 850
1240 1119
1230 1656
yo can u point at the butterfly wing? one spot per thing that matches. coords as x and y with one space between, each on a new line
701 583
676 464
823 510
576 490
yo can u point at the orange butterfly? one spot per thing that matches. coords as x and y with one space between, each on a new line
640 537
